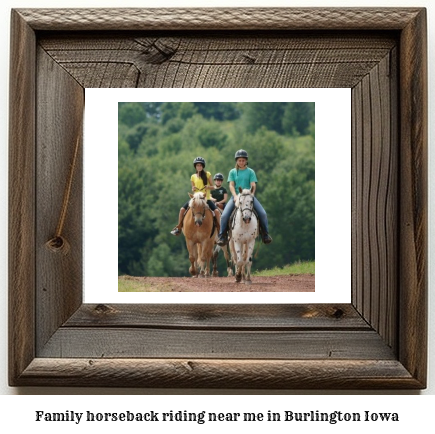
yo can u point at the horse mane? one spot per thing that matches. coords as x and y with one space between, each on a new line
196 196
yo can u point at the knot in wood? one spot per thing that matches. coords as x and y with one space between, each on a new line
103 309
58 244
338 313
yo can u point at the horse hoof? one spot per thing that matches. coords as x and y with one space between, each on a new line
248 282
238 279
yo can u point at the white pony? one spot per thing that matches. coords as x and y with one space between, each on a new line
244 230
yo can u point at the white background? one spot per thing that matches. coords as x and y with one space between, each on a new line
333 195
416 411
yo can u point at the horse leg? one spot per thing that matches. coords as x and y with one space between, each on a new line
193 257
250 252
239 261
245 261
200 261
215 259
228 259
233 255
207 254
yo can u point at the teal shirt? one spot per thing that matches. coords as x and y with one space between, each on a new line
242 178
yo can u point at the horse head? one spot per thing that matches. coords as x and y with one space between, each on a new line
245 203
198 205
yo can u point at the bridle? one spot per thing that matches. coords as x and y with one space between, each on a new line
250 209
199 213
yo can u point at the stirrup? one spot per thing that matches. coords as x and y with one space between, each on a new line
267 239
222 240
176 231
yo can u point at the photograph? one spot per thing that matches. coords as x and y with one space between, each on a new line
222 191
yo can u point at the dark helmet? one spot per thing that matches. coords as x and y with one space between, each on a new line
218 176
199 160
241 154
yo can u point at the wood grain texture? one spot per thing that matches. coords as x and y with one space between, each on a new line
228 374
59 281
21 197
233 60
280 317
413 187
220 18
377 342
375 200
95 342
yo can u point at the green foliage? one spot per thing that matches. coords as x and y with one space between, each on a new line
298 117
223 111
182 110
130 113
264 114
157 143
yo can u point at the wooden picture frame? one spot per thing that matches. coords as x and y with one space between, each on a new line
378 341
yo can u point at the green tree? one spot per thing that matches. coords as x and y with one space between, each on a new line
264 114
135 135
182 110
135 225
265 149
131 113
297 117
220 111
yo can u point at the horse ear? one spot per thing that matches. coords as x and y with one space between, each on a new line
203 195
190 195
240 189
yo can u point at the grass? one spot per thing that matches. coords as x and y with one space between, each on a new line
132 284
300 267
136 284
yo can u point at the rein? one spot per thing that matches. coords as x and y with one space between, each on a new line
251 209
204 210
204 207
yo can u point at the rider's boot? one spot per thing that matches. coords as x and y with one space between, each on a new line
223 239
177 230
267 239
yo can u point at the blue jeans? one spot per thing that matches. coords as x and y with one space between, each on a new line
229 209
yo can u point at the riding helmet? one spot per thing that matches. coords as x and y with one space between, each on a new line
199 160
241 153
219 176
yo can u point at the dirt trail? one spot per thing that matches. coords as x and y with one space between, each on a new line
291 283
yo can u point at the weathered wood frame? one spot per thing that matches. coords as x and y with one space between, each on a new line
377 341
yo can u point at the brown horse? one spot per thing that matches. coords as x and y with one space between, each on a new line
200 231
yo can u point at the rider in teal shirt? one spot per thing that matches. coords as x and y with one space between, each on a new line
244 177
